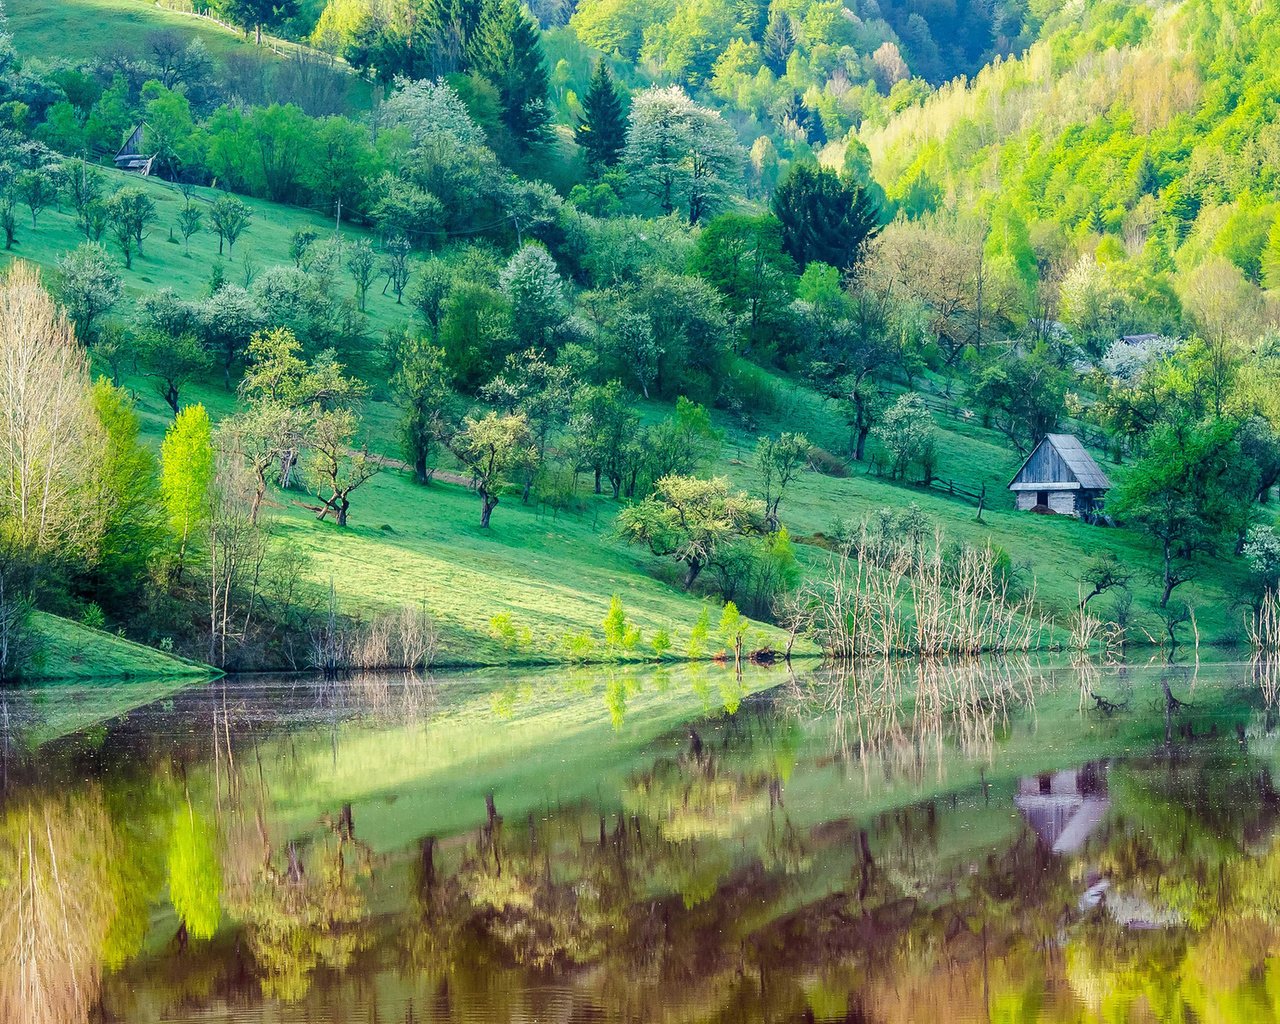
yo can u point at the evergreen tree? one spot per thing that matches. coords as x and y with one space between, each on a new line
603 131
825 218
506 48
779 41
448 27
1148 177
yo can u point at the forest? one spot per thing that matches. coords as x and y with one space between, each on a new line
393 333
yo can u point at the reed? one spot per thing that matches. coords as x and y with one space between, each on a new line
882 598
1262 625
898 720
1086 631
406 639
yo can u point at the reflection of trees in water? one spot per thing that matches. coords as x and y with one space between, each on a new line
303 907
899 719
379 696
59 908
942 954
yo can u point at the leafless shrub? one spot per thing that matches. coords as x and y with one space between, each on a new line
405 639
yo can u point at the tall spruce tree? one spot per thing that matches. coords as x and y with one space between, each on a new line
603 131
506 48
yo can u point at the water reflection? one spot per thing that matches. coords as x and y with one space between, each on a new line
1001 842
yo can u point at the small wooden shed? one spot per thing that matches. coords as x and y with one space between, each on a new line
133 155
1060 476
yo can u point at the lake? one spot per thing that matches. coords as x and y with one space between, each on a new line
1008 841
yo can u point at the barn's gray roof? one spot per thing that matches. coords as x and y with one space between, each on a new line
1078 460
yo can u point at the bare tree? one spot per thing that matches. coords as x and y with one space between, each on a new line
45 419
238 548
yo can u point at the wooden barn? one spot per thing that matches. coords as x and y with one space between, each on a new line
133 155
1060 476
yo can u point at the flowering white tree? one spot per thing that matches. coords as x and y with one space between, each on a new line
683 156
427 108
908 436
532 282
1125 361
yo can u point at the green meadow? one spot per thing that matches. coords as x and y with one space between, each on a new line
556 570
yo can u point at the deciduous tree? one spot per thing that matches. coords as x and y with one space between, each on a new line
423 387
690 520
680 155
186 475
1185 493
780 460
88 287
230 216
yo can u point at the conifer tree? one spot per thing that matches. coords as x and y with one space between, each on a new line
603 131
506 48
448 27
825 218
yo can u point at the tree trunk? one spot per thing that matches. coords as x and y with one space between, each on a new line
487 504
1168 575
597 471
171 396
259 492
343 506
860 447
695 567
420 467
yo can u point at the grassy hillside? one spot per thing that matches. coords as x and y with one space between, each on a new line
81 29
76 29
70 650
556 571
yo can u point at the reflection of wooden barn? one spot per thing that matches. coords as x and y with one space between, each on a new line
1063 808
133 155
1060 476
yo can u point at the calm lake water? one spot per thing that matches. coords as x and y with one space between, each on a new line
1005 842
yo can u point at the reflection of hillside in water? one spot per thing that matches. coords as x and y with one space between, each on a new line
901 842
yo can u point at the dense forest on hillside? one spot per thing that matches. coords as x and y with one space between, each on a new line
477 331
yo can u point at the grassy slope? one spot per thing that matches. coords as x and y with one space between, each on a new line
78 30
73 651
81 29
556 573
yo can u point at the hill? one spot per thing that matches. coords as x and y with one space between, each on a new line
555 570
566 348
